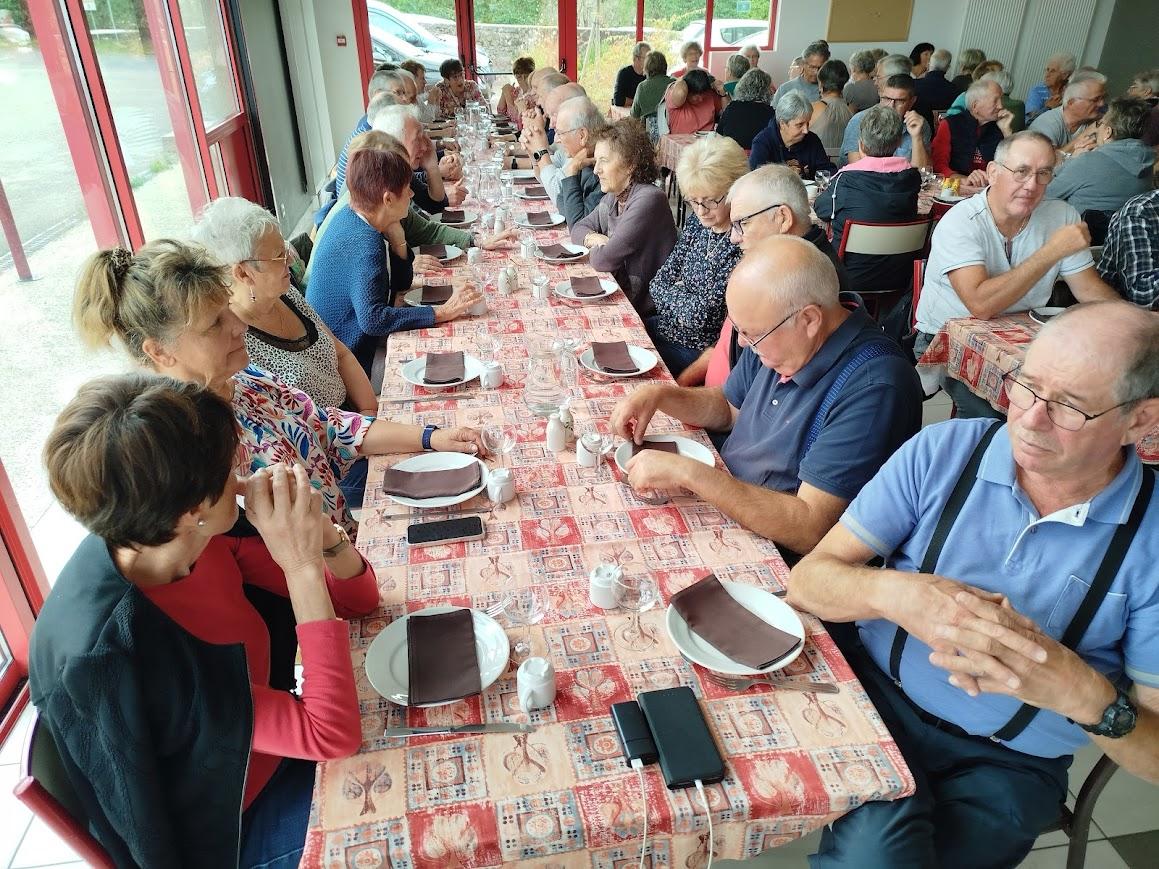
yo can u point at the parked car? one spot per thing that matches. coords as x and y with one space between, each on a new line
387 48
14 35
725 32
405 28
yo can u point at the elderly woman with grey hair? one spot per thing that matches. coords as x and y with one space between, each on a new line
787 139
861 91
736 66
749 112
284 335
878 188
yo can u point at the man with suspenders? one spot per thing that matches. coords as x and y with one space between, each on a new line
1019 612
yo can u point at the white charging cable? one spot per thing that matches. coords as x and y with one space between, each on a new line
638 765
708 812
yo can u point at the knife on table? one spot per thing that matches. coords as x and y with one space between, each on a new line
495 727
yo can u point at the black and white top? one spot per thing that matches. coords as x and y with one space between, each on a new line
309 363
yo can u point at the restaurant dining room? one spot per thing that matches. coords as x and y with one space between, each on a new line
595 433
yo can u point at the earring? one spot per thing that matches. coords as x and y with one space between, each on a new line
253 296
200 523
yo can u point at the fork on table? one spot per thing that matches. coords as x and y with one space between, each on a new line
743 683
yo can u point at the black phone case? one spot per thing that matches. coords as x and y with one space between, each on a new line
428 533
683 740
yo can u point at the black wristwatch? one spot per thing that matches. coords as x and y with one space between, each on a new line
539 155
1118 719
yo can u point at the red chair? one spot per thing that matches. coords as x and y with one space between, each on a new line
884 239
919 279
44 787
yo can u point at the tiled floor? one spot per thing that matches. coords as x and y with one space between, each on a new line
1125 834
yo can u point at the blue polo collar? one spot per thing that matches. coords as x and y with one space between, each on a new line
1112 505
831 352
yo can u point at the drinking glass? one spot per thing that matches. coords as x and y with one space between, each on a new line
597 437
488 346
822 177
525 607
568 340
539 280
499 439
637 593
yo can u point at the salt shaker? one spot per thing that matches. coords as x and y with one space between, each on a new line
500 218
506 287
500 486
474 255
602 586
492 376
566 418
535 684
556 434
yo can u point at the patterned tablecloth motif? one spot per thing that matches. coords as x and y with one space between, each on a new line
979 352
671 147
562 796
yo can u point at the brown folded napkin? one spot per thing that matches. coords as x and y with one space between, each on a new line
613 356
558 251
659 446
524 182
436 294
715 616
449 215
444 367
539 218
441 657
432 484
535 191
438 251
588 285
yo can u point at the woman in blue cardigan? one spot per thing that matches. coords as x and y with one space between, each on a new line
354 275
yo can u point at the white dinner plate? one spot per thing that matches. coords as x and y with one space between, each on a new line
1043 315
684 447
453 253
942 196
439 462
760 603
563 290
388 665
469 217
522 193
412 372
567 245
645 361
521 220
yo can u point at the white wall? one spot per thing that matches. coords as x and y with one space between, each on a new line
339 67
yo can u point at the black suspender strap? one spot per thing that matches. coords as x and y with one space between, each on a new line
1112 561
950 511
734 348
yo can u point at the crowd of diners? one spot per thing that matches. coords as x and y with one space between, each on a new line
162 661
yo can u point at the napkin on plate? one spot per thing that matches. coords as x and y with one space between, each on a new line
716 617
613 356
524 182
432 484
587 285
539 218
444 367
558 251
439 251
452 215
534 191
441 658
436 294
659 446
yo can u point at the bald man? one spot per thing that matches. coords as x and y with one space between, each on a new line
960 649
547 158
817 402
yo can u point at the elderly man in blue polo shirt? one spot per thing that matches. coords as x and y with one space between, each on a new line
818 400
1019 604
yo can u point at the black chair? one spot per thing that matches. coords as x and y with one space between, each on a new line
1076 822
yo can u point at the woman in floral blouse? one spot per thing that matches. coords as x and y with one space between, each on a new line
688 290
454 91
169 306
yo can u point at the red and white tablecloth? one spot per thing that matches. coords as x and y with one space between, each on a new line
562 796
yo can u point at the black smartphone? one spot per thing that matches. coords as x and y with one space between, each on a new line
683 740
445 531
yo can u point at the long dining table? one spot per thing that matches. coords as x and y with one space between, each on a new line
562 795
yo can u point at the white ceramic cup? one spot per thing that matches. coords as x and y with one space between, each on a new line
535 684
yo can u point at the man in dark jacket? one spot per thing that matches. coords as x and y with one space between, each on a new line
630 76
788 140
881 188
965 143
577 122
934 91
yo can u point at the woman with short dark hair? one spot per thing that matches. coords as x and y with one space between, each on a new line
454 91
693 103
513 97
154 662
631 232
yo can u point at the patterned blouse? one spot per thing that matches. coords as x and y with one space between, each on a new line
281 424
689 288
445 102
308 363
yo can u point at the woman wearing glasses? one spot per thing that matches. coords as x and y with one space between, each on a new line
688 290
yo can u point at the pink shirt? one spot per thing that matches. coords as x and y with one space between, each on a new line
692 117
877 164
718 369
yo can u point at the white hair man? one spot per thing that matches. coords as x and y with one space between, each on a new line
971 650
630 76
965 142
783 481
547 159
1047 94
1071 126
431 193
1003 249
578 122
934 91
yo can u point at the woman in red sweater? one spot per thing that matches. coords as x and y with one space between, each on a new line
157 659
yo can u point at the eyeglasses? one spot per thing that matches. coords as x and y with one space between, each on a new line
1022 174
1065 416
738 226
706 204
283 258
753 342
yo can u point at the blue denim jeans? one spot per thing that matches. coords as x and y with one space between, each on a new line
273 828
353 485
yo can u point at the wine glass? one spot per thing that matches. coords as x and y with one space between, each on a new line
525 607
539 280
488 346
597 437
637 593
567 341
499 438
